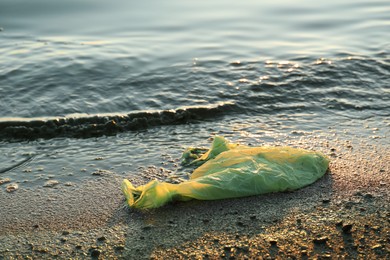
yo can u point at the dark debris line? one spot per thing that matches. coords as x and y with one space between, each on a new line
96 126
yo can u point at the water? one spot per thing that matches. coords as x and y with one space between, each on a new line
83 83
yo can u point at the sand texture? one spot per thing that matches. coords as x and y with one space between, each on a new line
344 215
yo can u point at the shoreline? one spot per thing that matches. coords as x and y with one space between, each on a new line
344 214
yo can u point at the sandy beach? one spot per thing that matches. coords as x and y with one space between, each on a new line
343 215
95 92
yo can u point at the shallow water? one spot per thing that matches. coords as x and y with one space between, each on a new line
83 83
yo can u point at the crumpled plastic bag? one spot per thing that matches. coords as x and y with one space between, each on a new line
230 171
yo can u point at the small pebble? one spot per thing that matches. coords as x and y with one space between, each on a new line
368 196
100 172
50 183
235 63
101 239
347 228
227 248
120 247
5 180
273 242
95 253
320 240
376 228
12 187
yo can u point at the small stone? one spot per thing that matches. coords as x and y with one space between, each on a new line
347 228
368 196
42 250
12 187
320 240
376 228
95 253
101 239
243 80
120 247
377 246
50 183
325 201
5 180
235 63
273 242
227 248
78 247
100 172
65 232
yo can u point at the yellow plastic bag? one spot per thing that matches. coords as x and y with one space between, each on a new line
231 171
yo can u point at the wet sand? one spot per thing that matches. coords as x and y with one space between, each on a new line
343 215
